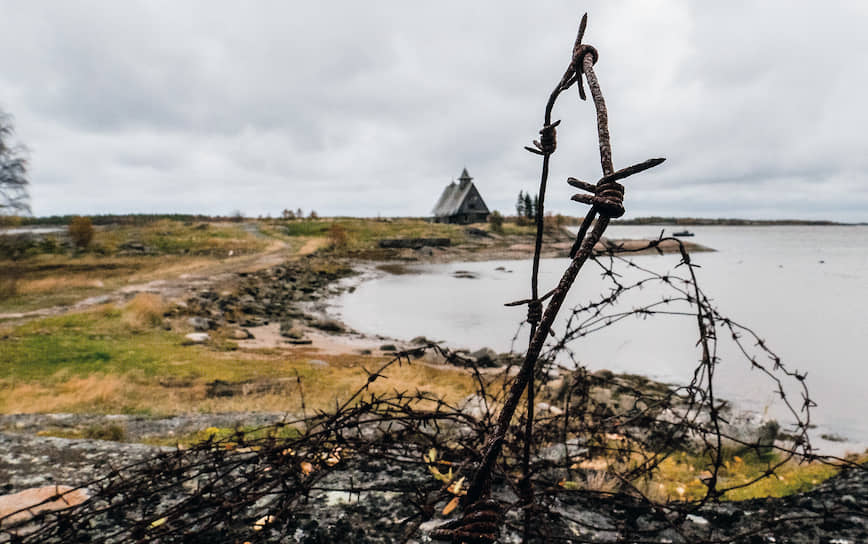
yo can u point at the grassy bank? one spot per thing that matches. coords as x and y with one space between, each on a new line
49 270
123 360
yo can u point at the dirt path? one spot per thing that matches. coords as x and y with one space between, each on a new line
312 245
180 281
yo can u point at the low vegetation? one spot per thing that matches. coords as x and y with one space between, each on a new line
123 360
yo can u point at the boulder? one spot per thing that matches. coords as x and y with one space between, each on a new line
253 321
237 333
551 409
328 324
196 338
200 323
474 406
413 243
33 500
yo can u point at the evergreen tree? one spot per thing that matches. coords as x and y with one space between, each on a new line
519 206
535 205
528 206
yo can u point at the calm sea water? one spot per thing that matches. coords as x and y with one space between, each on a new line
31 230
804 290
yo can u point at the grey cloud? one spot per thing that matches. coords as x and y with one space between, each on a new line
354 109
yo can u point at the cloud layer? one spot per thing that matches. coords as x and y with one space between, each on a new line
371 108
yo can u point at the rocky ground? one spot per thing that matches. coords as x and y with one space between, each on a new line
834 512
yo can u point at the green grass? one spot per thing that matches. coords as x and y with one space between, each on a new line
364 234
680 476
82 344
167 237
227 435
110 360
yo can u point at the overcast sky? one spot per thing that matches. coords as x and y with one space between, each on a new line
367 108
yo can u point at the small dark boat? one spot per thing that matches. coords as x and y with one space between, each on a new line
682 233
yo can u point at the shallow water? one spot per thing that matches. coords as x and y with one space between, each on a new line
802 289
30 230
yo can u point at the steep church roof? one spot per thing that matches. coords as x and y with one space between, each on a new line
455 195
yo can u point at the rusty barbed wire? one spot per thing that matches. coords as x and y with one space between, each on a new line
580 459
582 62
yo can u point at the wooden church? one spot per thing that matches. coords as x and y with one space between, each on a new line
460 203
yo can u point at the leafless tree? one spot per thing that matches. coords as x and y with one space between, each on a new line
13 171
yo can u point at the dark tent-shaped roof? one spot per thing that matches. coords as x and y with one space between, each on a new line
456 195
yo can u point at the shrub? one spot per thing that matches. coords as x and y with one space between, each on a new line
10 220
337 236
496 221
8 282
145 310
81 231
552 223
110 431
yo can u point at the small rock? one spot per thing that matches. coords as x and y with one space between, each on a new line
196 338
253 321
465 274
328 325
289 330
199 323
33 500
474 406
546 407
555 385
697 519
240 334
317 362
388 347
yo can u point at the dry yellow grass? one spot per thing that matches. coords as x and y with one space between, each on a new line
57 283
270 377
143 311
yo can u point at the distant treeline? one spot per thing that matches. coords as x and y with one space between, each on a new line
145 219
699 221
126 219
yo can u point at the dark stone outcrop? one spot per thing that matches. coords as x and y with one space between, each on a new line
413 243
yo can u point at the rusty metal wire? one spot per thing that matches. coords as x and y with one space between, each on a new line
608 199
398 462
